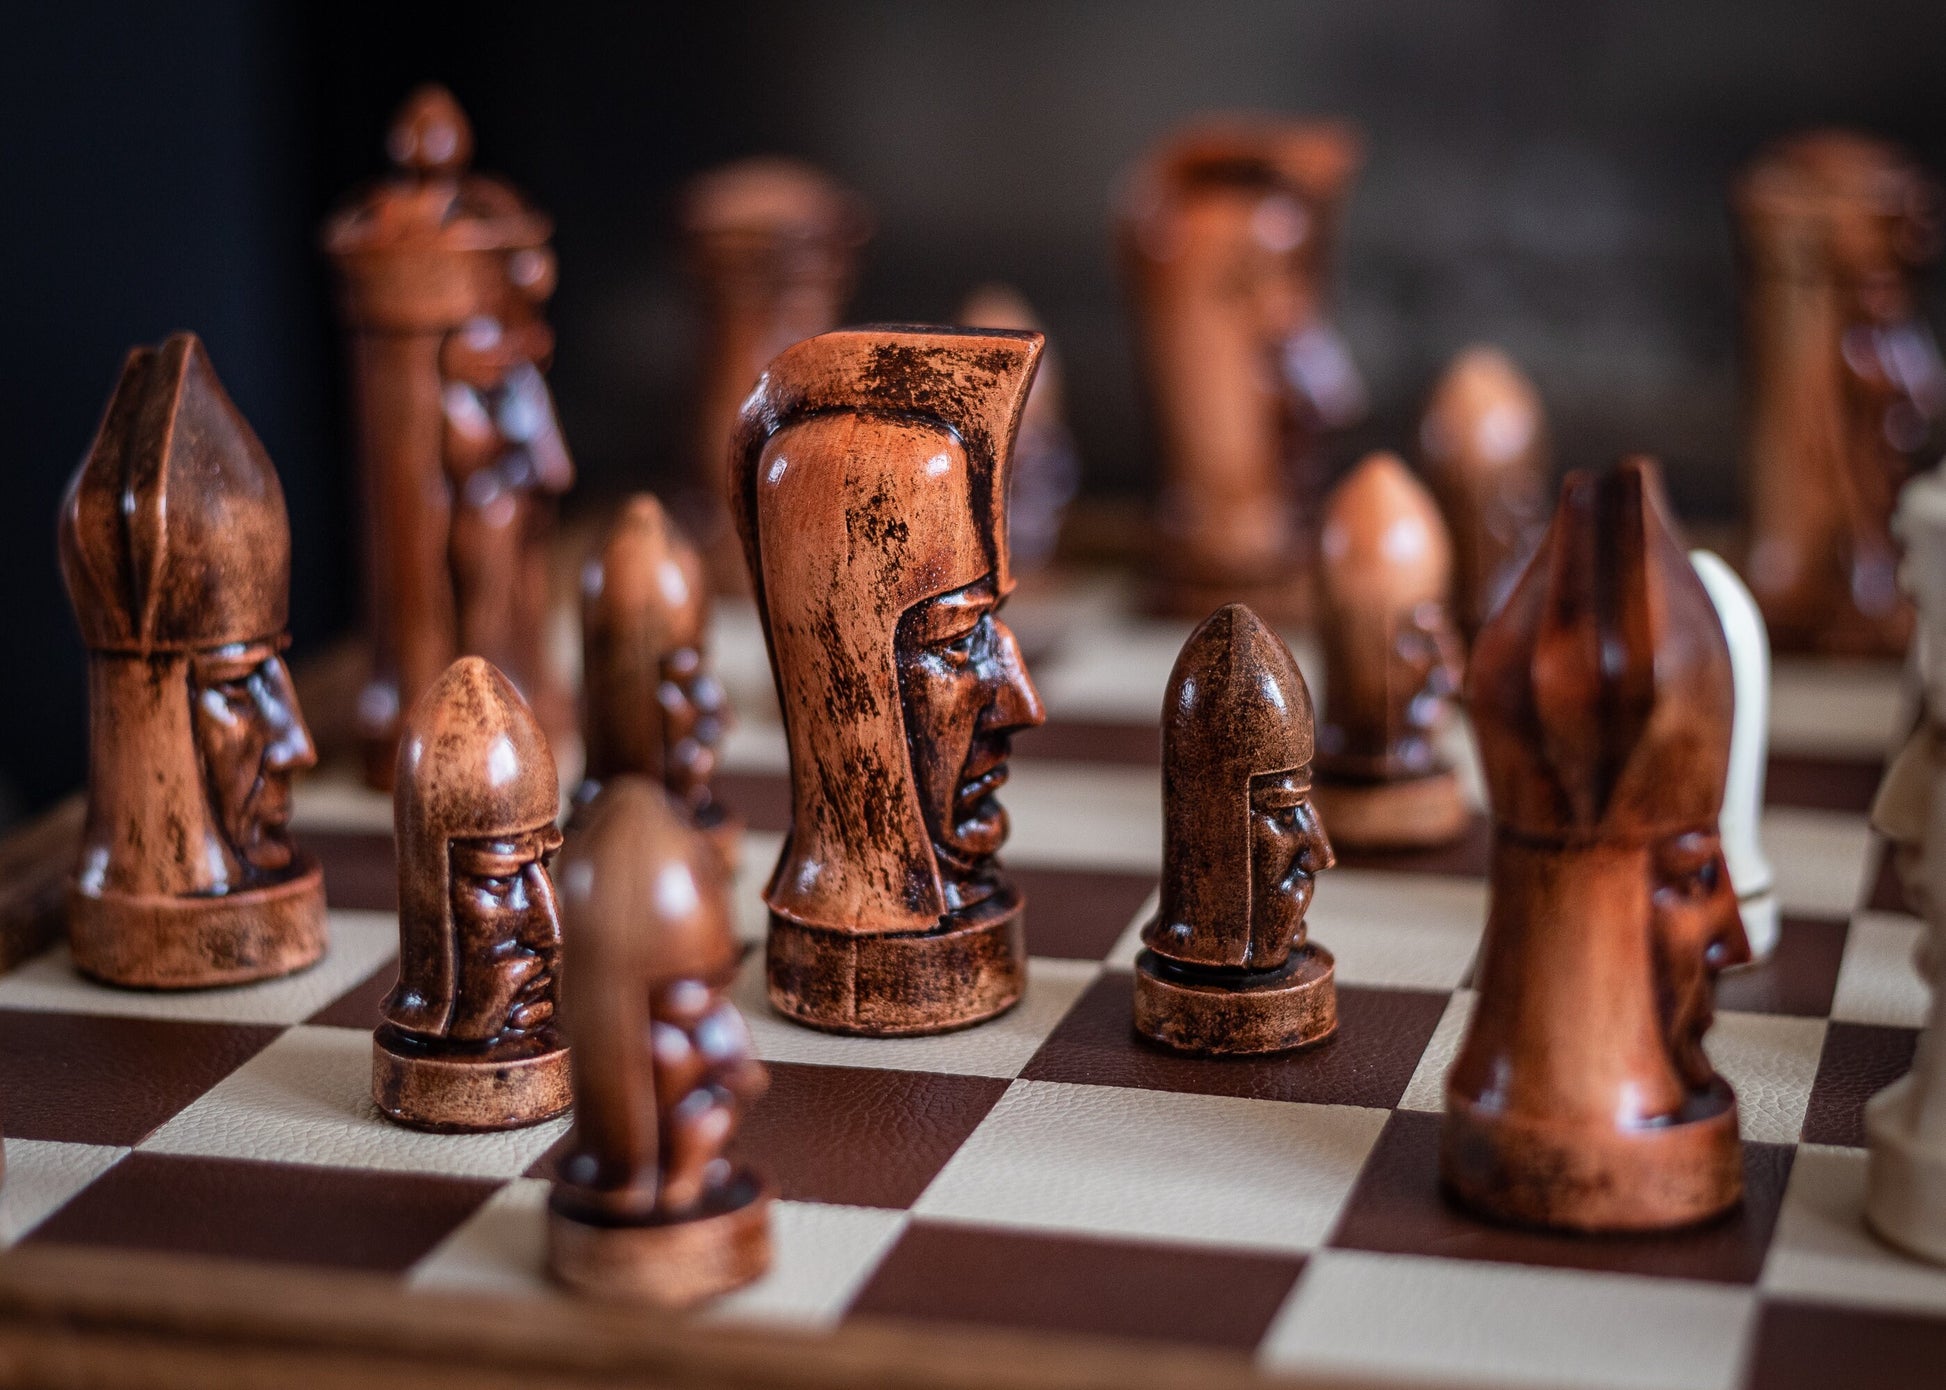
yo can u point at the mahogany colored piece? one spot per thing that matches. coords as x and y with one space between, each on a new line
1843 381
177 556
870 490
469 1040
1392 663
1226 233
652 703
1228 966
442 277
1601 695
1484 441
646 1206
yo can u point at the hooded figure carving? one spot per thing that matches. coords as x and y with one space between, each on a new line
1601 693
869 483
469 1040
1228 967
176 552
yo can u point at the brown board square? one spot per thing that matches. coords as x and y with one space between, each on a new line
359 872
1859 1060
1807 1346
1470 856
1887 892
1094 741
1079 914
1799 978
1822 783
357 1007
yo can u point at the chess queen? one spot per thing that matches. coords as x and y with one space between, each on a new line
869 484
1601 693
177 556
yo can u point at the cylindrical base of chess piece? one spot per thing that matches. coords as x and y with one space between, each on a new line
904 984
1416 813
152 941
667 1264
450 1093
1595 1176
1905 1184
1287 600
1237 1012
1760 924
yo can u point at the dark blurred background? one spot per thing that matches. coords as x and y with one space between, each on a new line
1546 176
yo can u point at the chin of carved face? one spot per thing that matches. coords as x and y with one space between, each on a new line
1698 934
251 738
508 936
1288 848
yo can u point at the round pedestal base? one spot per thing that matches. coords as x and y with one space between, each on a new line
156 942
453 1095
1236 1013
1414 814
1905 1186
671 1264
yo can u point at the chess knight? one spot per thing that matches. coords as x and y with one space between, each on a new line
468 1039
1226 237
1601 694
646 1205
177 556
443 275
1228 965
1844 383
870 490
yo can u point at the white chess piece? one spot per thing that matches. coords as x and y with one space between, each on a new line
1743 793
1905 1124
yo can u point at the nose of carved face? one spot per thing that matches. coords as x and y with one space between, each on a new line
1698 934
1016 704
290 749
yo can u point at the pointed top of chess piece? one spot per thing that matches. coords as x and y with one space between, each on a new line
430 136
994 305
1384 548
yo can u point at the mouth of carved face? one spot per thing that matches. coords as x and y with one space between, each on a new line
979 820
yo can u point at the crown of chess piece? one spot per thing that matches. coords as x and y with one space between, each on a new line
1392 663
1484 442
652 703
1844 383
1601 694
646 1205
177 556
469 1040
1226 234
443 275
1741 821
774 246
1227 965
870 490
1905 1124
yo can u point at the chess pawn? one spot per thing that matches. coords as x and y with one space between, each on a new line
1484 442
442 276
1844 384
870 490
1226 235
774 247
1743 792
646 1207
652 703
468 1039
1392 663
177 556
1227 965
1905 1124
1601 693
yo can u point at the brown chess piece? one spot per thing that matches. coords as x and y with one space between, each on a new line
774 246
652 703
1844 385
177 556
1228 965
646 1206
442 277
1601 693
1392 663
469 1040
870 489
1227 232
1484 441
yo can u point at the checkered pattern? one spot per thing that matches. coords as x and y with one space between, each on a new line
1046 1171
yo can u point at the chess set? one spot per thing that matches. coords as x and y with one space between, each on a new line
1305 1029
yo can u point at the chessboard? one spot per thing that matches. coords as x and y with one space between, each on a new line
1038 1200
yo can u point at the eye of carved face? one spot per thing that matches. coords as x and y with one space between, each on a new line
251 738
1698 934
1288 847
508 936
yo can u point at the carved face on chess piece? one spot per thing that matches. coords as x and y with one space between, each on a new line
1228 967
469 1040
1601 694
870 493
1226 233
176 552
1392 662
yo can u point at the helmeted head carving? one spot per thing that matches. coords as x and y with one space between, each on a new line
474 806
869 482
1241 841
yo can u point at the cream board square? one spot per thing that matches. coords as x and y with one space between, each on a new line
1878 982
499 1249
1819 857
822 1256
43 1176
1836 709
1084 815
1408 931
1770 1060
338 800
1427 1089
1824 1252
1129 944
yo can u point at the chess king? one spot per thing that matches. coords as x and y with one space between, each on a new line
1601 695
468 1039
177 554
869 484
